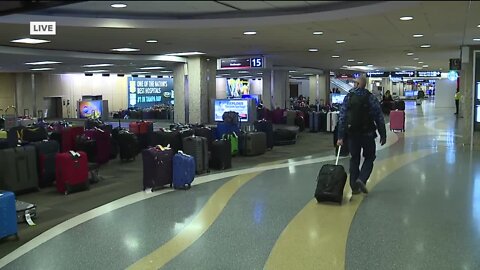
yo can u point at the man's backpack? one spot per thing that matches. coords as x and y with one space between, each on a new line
359 119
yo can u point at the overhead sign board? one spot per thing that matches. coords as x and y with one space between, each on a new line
402 73
147 92
241 62
429 74
378 74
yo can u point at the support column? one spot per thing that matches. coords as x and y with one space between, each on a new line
197 90
280 88
267 89
324 87
211 86
179 73
314 93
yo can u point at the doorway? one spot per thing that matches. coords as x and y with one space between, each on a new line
53 107
293 90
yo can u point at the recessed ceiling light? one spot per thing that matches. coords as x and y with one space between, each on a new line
185 53
97 65
369 65
340 41
30 41
416 58
476 39
417 35
478 25
410 54
43 63
308 74
291 71
166 71
360 62
318 33
249 33
335 56
41 69
425 46
97 71
425 66
125 50
118 5
351 60
397 68
420 62
406 18
345 66
151 41
151 68
260 73
243 71
313 50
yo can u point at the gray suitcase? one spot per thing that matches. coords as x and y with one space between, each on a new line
314 118
24 208
291 115
253 143
197 147
19 169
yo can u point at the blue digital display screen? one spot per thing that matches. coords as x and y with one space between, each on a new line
147 92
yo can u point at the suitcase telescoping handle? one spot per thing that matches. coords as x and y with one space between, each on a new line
338 154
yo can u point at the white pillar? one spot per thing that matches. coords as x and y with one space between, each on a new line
179 73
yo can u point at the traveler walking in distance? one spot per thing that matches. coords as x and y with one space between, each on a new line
360 117
457 100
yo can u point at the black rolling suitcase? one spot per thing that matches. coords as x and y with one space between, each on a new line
266 127
167 137
399 105
46 152
330 183
157 167
206 133
284 137
127 145
221 157
87 145
197 147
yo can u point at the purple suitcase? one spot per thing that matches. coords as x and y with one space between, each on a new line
157 167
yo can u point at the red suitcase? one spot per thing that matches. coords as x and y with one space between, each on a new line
142 127
397 120
69 136
72 172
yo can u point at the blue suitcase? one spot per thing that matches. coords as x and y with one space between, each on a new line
183 170
8 215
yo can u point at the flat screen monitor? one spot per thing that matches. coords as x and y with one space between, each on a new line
254 97
338 98
478 90
409 93
90 109
237 105
237 87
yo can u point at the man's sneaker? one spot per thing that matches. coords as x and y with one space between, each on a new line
362 186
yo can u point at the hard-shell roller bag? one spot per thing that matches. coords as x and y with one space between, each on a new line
206 133
267 128
253 143
221 157
397 120
72 172
46 152
8 215
284 137
331 182
183 170
332 119
19 169
128 145
167 137
197 147
157 167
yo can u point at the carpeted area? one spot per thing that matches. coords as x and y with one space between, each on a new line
122 179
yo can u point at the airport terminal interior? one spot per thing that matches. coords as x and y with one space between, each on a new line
198 135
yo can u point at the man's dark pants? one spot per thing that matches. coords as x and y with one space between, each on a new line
356 144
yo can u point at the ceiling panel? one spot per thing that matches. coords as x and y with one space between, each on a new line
248 5
287 4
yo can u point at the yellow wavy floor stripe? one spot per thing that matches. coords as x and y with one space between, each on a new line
195 229
316 237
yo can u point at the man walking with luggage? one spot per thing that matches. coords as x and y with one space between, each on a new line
360 117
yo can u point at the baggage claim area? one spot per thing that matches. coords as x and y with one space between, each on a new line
209 149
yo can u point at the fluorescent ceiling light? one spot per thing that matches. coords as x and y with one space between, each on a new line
308 74
30 41
476 39
360 62
425 46
340 41
313 50
97 65
291 71
152 41
369 65
417 35
397 68
318 33
351 60
406 18
151 68
243 71
168 71
97 71
416 58
345 66
260 73
425 66
478 25
185 53
249 33
118 5
335 56
140 72
40 69
410 53
43 63
420 62
125 50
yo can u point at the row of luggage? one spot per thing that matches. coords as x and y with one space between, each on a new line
151 113
323 122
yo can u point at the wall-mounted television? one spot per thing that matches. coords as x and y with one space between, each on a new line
254 97
90 109
237 87
337 98
242 106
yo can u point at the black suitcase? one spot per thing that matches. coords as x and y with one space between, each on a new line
197 147
87 145
25 211
167 137
4 144
34 134
267 128
46 152
127 145
330 183
399 105
206 133
157 167
221 157
300 122
284 137
322 125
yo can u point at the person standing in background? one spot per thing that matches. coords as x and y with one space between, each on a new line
457 100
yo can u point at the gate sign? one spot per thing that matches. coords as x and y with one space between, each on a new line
147 92
429 74
402 73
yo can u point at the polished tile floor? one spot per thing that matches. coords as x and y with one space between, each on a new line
423 212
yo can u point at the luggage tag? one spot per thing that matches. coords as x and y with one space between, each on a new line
29 220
